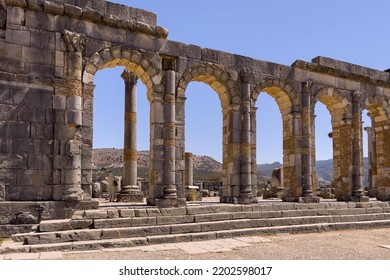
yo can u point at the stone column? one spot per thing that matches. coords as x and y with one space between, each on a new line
246 194
253 149
130 191
156 146
234 150
313 154
71 170
306 147
357 149
169 192
189 170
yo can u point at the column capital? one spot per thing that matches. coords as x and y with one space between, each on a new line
129 77
307 86
246 75
74 42
357 96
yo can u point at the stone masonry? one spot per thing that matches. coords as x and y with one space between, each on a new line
50 52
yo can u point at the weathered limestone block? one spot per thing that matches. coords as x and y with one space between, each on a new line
53 8
2 193
3 18
26 218
35 5
95 214
19 37
126 213
55 225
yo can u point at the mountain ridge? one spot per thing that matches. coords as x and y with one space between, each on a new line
205 167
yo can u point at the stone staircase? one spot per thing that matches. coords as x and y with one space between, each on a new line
120 226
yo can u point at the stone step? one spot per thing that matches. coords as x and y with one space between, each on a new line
186 227
116 221
188 237
108 213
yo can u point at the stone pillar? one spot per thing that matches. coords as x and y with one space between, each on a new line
372 186
382 136
342 156
306 143
130 191
253 150
292 167
156 147
246 196
189 170
357 149
169 192
232 156
315 186
180 146
225 192
71 170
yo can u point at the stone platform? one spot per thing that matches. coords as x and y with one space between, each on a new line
133 225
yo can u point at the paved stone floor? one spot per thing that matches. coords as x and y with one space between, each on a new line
337 245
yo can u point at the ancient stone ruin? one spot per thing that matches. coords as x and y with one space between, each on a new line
50 52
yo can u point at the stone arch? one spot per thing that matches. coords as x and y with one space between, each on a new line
283 93
146 69
135 61
333 99
216 77
222 82
289 105
378 107
379 111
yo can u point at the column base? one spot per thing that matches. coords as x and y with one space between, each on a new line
130 197
301 199
72 193
170 202
244 200
347 198
130 194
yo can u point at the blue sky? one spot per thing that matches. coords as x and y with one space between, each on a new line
274 30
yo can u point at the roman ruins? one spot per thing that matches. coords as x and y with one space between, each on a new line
50 52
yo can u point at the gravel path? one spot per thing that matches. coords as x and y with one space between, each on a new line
335 245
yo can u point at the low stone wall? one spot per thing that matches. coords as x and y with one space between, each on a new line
18 217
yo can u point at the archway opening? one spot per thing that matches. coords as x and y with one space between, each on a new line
203 135
367 149
109 125
322 134
269 142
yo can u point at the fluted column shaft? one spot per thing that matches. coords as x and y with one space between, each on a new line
246 194
306 141
130 133
357 152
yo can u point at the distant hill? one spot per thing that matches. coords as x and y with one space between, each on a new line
205 167
325 170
